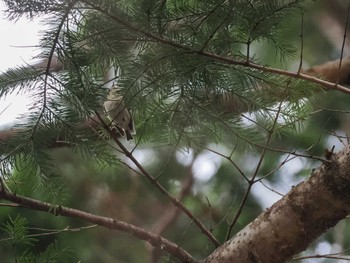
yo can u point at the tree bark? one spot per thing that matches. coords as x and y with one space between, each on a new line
291 224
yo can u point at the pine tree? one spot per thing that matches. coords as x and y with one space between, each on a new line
193 75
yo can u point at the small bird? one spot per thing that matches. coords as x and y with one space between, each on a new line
118 113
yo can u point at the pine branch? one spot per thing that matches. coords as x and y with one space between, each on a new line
225 60
154 181
92 122
49 62
110 223
328 72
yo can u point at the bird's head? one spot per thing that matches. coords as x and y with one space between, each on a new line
114 93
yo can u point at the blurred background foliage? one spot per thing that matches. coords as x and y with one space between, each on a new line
213 186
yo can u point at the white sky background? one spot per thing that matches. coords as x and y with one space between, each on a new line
17 47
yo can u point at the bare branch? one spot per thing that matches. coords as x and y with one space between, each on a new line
154 181
252 179
307 211
111 223
172 213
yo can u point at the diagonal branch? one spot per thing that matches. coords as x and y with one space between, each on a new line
226 60
172 213
252 180
308 210
111 223
154 181
49 62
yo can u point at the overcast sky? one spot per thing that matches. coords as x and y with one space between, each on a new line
17 47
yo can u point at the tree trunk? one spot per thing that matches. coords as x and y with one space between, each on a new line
288 227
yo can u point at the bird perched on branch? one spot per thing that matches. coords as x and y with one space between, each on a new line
119 115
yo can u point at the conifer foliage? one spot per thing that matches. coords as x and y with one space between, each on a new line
189 72
177 61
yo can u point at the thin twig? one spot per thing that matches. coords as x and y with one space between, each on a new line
229 159
343 44
157 184
53 232
301 42
171 214
252 180
48 66
271 189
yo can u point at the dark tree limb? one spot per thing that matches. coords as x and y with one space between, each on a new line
290 225
111 223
